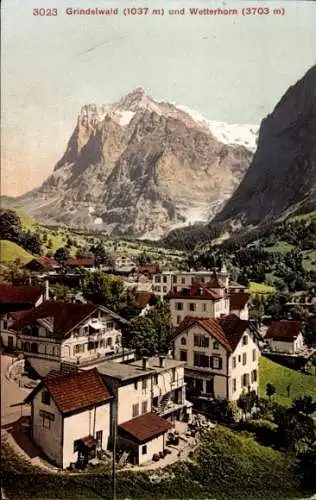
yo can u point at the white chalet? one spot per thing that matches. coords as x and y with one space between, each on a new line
71 416
221 356
63 332
285 336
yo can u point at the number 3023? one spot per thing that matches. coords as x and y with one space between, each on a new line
45 12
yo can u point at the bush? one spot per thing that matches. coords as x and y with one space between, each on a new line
264 431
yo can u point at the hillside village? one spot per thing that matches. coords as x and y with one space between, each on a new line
125 362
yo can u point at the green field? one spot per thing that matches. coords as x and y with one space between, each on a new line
260 288
280 247
227 466
280 376
10 251
304 217
309 260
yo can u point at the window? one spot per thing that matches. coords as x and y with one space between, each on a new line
201 360
245 380
245 340
47 418
254 355
183 281
173 375
144 407
136 385
204 306
144 384
183 341
239 358
45 398
157 279
217 363
216 345
135 410
234 361
110 325
165 279
201 341
155 379
254 376
78 348
179 306
178 319
98 437
210 386
192 306
234 386
144 449
109 341
183 356
164 289
174 279
244 358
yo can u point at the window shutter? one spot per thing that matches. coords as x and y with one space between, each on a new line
211 361
220 363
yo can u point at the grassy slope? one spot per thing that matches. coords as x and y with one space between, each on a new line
281 377
227 466
280 247
10 251
260 288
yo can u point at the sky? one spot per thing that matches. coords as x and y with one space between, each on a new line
229 68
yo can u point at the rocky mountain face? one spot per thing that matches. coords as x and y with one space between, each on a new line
282 176
139 167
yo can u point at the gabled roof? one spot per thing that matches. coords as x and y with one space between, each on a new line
64 316
238 300
43 261
227 331
90 261
284 330
144 298
150 269
196 290
74 392
210 325
145 427
24 294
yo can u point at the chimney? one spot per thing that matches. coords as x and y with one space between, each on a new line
46 296
161 361
145 363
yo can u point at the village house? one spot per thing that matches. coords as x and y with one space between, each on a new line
124 263
285 336
61 333
42 264
71 416
168 281
145 393
14 300
221 356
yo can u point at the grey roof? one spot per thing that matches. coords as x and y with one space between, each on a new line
121 371
153 364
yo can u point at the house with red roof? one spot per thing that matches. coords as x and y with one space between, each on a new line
285 336
71 416
221 356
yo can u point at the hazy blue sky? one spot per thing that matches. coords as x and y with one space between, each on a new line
231 69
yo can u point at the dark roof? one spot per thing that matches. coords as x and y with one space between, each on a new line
196 290
145 427
144 298
90 261
24 294
284 330
233 328
75 391
227 331
150 269
238 300
63 316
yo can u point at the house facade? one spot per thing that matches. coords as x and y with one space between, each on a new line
71 416
221 356
285 336
62 332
